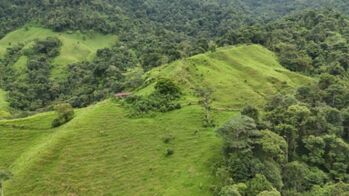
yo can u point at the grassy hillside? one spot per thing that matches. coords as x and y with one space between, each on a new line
102 151
240 75
76 46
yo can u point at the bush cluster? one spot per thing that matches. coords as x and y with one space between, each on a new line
65 114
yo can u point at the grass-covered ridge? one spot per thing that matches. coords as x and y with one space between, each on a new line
76 46
239 75
103 151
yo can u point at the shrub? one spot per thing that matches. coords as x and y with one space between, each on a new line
168 138
65 113
169 152
162 100
166 88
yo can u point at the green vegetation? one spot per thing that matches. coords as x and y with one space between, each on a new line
103 150
297 146
174 78
65 113
35 64
3 104
161 100
116 143
312 42
76 47
3 177
237 75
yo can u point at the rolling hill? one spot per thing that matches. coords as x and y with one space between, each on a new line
103 151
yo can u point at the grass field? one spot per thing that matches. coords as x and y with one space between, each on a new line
76 46
102 151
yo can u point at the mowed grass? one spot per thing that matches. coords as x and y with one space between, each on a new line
76 46
239 75
103 151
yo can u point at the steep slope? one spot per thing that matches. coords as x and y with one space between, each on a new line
103 151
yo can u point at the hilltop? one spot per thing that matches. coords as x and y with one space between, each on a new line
104 151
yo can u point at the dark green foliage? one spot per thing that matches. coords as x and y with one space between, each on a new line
298 176
168 138
312 42
331 190
65 114
205 100
89 82
169 152
239 134
152 33
33 90
167 89
163 99
258 184
251 112
300 145
4 176
50 47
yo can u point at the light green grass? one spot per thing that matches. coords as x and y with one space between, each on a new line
238 75
41 121
76 46
104 152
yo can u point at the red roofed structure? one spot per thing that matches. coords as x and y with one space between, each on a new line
122 95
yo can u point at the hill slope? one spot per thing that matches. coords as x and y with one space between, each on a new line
76 47
102 151
238 75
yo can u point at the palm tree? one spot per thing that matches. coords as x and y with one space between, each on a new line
4 175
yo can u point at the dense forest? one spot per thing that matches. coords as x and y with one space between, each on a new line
296 144
152 33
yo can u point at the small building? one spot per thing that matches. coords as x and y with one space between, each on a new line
122 95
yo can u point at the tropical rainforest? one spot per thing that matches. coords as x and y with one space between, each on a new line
185 97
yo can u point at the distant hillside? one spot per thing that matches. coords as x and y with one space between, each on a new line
76 47
104 151
18 58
